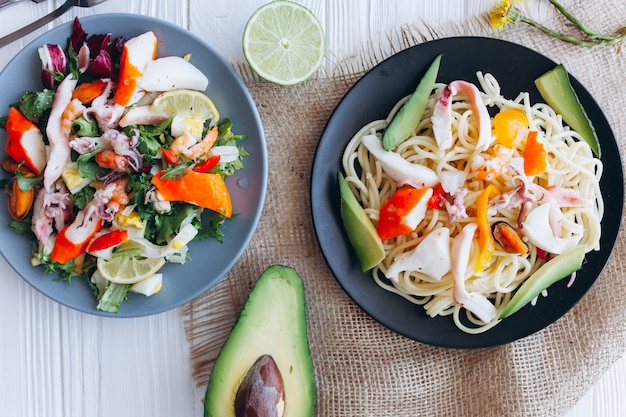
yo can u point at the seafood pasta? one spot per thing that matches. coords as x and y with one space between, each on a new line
472 205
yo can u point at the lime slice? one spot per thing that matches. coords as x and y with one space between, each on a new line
186 104
128 270
284 42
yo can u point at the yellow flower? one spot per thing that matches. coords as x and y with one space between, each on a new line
505 12
502 13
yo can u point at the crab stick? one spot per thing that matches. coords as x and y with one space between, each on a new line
404 210
25 142
137 53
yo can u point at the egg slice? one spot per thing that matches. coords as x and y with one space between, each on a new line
148 286
187 126
72 179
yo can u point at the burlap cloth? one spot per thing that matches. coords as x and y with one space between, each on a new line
363 369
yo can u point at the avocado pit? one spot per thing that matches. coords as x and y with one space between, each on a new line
262 392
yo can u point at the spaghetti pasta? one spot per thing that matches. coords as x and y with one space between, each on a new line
569 184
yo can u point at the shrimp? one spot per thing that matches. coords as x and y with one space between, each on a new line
119 198
182 144
488 169
72 111
111 160
442 115
190 148
59 142
205 145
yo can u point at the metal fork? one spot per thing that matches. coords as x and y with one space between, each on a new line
7 2
47 19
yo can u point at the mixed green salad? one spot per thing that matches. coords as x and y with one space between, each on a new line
117 163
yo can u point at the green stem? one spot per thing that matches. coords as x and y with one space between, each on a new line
580 25
557 35
566 38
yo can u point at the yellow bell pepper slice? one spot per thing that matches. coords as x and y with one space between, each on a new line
486 243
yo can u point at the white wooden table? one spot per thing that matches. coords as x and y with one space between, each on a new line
58 362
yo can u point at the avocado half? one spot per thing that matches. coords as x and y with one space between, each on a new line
272 322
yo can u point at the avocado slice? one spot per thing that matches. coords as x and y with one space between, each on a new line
552 271
361 232
272 322
557 91
410 114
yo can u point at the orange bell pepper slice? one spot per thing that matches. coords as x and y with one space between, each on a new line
88 91
535 160
202 189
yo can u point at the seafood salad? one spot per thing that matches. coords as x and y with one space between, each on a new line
117 163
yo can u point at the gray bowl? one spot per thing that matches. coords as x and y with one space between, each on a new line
211 260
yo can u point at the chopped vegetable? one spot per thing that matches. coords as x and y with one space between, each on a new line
407 119
208 164
202 189
535 159
107 240
360 229
552 271
88 91
485 238
53 64
436 200
557 91
113 296
35 104
101 64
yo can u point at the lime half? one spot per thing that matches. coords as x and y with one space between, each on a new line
284 42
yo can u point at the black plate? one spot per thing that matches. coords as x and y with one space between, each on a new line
371 98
